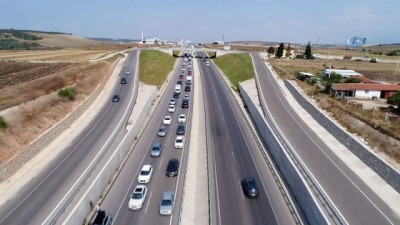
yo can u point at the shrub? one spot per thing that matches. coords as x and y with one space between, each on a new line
3 123
68 92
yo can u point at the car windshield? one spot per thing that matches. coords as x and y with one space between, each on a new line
156 148
179 141
166 202
252 183
137 195
145 172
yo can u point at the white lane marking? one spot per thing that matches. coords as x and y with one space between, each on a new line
330 159
148 202
233 157
127 191
161 160
241 189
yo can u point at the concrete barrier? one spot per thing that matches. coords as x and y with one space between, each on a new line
79 214
386 171
296 182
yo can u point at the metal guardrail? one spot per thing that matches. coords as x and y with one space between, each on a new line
315 187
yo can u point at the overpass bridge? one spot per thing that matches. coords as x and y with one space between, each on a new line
193 51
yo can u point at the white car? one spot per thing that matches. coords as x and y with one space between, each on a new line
179 142
167 120
171 108
137 198
182 118
145 174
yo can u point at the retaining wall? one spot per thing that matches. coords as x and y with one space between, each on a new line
86 204
387 172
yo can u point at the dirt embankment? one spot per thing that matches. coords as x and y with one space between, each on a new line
29 99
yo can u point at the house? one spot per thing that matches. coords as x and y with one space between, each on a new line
344 73
364 90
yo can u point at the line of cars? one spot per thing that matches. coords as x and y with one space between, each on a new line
140 192
116 97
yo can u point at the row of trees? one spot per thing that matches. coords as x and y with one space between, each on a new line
281 48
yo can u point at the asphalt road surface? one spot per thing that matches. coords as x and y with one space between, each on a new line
235 156
116 201
355 201
37 199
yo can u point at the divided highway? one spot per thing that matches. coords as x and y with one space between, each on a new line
352 198
38 198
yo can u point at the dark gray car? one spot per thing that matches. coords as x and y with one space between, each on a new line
180 130
249 186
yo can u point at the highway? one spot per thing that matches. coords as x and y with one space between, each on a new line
234 156
36 200
352 198
116 200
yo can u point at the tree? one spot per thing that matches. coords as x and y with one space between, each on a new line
279 53
271 51
352 80
308 53
288 50
333 78
394 99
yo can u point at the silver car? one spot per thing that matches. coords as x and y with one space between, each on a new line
156 150
167 203
162 131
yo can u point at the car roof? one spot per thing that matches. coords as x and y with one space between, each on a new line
182 115
173 160
179 137
168 195
139 188
146 167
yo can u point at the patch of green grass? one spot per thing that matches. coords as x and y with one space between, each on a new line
154 67
176 53
238 67
212 54
68 92
3 123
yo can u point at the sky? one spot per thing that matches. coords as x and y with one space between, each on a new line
289 21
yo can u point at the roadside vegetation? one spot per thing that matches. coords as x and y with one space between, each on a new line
379 131
155 67
176 53
212 54
3 123
237 67
68 92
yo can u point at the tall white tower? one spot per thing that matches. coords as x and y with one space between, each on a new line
142 38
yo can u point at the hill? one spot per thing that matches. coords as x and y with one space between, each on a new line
30 39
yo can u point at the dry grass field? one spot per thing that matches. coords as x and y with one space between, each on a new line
29 100
370 125
71 55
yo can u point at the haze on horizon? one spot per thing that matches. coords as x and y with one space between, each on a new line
257 20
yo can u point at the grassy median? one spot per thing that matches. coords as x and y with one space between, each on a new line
238 67
154 67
